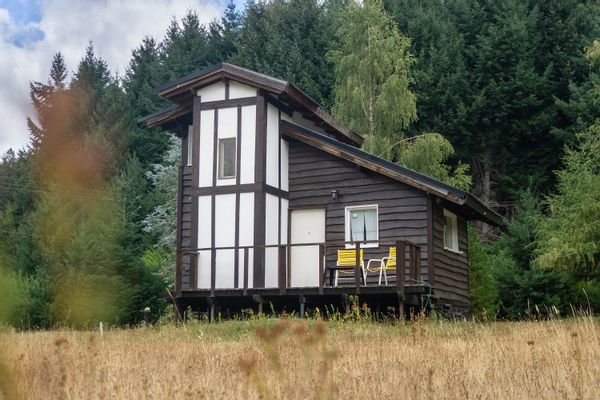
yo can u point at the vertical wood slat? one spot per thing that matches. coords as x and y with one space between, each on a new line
357 271
196 116
178 256
400 266
411 260
321 269
282 269
245 271
417 263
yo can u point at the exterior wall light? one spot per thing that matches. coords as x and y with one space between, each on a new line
335 194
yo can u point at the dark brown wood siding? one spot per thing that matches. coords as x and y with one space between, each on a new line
186 226
451 268
402 209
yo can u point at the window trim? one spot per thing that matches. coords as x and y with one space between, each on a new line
347 211
454 246
190 145
221 166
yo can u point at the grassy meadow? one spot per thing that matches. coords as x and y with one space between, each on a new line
299 359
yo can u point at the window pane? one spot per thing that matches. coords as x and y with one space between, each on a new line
371 224
363 225
227 149
357 225
450 233
190 144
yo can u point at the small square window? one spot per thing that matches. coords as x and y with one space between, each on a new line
362 224
450 231
227 153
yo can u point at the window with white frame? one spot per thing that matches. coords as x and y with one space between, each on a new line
450 231
227 152
362 224
190 144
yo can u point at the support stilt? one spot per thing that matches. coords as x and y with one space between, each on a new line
302 304
259 300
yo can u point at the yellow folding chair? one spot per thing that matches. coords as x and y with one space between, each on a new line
388 262
347 258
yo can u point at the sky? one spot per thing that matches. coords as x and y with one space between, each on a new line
32 31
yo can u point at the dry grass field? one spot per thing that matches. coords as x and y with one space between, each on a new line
292 359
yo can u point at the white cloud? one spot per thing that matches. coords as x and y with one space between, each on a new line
115 27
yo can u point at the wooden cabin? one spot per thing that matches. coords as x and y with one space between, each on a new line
275 196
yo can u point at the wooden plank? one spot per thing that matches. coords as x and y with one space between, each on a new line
417 263
282 270
241 102
259 198
196 116
236 272
321 268
357 274
213 222
227 189
430 248
400 266
245 271
178 258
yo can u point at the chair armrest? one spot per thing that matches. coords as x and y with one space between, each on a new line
379 260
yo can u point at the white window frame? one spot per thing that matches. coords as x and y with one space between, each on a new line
347 212
453 247
219 165
190 145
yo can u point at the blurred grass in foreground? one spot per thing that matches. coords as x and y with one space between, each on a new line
299 359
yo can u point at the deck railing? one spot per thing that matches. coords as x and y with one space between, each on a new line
408 258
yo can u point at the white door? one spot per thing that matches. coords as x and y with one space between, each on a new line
308 226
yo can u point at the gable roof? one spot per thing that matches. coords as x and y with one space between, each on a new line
182 90
473 207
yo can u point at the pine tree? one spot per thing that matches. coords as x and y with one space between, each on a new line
290 40
41 97
88 87
144 73
185 47
224 34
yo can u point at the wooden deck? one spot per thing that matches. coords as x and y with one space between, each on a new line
406 287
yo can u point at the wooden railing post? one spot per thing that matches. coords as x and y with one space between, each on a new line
417 263
400 266
411 260
357 271
282 270
245 271
321 269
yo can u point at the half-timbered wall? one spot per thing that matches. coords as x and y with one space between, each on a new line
248 210
402 209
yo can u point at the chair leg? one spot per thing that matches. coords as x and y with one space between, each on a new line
385 276
335 281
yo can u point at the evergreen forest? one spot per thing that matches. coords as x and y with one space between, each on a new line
501 98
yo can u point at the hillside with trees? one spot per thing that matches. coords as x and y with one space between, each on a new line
501 98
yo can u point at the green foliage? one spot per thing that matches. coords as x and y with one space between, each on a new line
524 289
570 235
372 65
483 291
491 77
588 293
290 40
428 154
508 83
11 302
